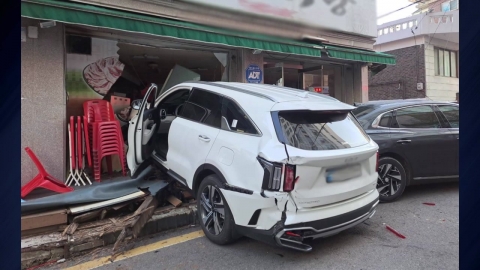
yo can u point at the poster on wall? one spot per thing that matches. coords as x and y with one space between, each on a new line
91 71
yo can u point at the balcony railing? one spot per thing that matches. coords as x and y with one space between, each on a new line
421 24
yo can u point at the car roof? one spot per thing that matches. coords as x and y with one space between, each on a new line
272 93
402 102
381 106
392 104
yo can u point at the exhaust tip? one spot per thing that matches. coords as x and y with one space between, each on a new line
296 243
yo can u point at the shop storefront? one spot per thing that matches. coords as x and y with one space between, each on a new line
98 52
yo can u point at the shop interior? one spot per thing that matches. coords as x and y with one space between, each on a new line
317 77
119 70
132 70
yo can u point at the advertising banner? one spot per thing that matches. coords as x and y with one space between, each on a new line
349 16
91 75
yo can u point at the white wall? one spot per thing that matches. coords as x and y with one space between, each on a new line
438 87
43 101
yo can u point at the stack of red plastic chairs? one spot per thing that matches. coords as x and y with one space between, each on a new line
104 135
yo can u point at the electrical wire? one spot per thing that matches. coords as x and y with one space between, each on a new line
415 39
381 16
432 36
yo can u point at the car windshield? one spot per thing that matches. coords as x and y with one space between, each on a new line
319 130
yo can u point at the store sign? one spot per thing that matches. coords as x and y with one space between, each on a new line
253 74
350 16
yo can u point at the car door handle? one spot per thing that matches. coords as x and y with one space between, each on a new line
404 141
203 138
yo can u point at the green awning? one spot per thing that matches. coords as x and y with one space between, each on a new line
82 14
360 55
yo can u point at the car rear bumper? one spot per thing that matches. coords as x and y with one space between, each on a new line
294 235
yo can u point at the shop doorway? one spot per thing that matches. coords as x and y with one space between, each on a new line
321 78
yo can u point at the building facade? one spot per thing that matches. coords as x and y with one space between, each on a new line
426 48
74 51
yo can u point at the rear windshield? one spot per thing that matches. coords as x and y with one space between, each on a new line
363 110
319 130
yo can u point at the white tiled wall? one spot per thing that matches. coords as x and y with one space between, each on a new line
438 87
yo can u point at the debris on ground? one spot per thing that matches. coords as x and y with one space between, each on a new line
428 203
79 229
395 232
174 201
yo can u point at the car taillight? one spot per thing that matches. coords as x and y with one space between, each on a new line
378 156
272 174
289 181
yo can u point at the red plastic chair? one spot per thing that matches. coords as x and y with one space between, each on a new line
103 106
104 135
87 141
107 141
43 179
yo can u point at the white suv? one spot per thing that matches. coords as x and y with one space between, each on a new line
275 164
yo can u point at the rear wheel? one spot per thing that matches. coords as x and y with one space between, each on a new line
392 179
214 214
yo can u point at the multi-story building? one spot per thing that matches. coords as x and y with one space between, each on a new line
426 48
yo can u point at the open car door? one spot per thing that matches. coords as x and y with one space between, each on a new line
141 131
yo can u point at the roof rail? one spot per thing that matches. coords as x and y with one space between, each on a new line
230 87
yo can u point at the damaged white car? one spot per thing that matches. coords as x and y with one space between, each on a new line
275 164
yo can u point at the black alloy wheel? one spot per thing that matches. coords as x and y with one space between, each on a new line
392 179
214 214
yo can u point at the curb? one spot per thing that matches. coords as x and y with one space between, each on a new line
162 220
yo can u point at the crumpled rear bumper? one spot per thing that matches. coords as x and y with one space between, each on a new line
294 235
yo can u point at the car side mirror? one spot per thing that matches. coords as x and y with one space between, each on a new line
163 114
136 104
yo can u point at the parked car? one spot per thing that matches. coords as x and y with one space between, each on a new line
418 142
276 164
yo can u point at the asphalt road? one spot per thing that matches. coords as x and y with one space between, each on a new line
432 242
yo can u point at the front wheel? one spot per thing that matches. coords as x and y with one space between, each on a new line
214 214
392 179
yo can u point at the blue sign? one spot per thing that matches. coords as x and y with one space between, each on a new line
253 74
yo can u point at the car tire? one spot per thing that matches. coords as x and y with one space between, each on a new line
220 230
392 177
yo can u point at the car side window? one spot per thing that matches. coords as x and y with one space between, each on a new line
385 120
416 117
193 112
203 106
235 119
452 115
173 100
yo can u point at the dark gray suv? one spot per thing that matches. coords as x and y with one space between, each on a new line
418 142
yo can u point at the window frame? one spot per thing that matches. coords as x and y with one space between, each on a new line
202 121
249 119
376 122
447 122
223 99
440 67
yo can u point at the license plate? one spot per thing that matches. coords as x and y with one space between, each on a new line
342 174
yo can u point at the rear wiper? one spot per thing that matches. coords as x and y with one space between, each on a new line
311 145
